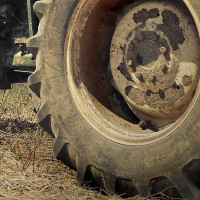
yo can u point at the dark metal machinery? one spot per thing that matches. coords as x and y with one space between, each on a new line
17 24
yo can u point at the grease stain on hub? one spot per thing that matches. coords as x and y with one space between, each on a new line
171 28
143 15
187 80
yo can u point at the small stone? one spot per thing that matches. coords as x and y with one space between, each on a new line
130 62
143 125
61 187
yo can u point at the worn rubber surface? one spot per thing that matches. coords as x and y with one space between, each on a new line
114 167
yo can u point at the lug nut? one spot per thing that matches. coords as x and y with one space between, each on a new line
163 50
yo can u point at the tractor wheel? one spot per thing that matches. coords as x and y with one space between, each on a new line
118 83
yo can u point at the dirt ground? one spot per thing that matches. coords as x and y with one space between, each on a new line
28 169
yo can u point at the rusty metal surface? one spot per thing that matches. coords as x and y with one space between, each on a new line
133 62
150 63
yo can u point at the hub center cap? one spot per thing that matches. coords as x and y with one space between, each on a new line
147 53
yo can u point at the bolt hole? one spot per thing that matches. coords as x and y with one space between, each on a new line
139 59
154 80
148 93
134 69
175 86
161 94
165 70
141 78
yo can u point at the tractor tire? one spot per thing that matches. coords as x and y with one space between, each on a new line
82 107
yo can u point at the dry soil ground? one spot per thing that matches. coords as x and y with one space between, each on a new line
28 169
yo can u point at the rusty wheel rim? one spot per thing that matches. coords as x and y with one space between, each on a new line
96 81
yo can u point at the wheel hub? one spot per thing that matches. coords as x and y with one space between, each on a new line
148 65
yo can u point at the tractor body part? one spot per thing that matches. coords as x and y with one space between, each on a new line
17 24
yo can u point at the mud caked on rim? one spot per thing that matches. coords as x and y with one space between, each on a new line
95 60
154 65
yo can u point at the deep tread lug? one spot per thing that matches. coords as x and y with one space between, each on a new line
178 180
60 142
64 154
40 6
46 124
33 44
35 78
44 119
81 170
110 181
143 187
35 82
195 191
126 187
36 88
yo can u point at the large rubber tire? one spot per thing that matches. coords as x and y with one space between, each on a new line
115 167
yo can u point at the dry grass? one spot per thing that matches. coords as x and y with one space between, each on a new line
28 168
